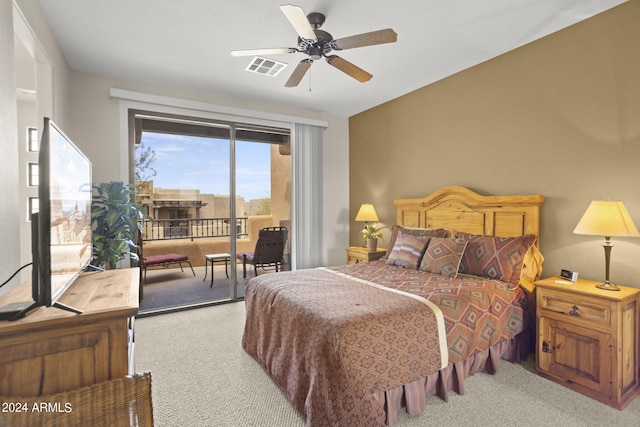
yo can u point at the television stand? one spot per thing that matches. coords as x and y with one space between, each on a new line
50 350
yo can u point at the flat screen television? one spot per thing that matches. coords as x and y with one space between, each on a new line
61 229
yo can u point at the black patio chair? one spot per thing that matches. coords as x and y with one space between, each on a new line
269 251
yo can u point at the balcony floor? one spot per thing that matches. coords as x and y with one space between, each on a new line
171 288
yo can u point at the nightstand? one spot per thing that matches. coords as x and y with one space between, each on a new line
358 254
587 339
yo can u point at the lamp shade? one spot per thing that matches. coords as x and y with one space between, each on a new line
606 218
367 213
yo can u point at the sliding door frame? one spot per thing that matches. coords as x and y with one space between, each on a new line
306 179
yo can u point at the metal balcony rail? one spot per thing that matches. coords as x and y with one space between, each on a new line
190 228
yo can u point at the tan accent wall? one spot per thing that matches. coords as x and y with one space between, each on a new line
558 117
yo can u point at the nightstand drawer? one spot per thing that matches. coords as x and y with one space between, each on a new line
574 306
358 254
356 258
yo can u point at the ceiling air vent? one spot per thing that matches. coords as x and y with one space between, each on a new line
265 66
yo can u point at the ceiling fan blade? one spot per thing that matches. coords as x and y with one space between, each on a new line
298 19
299 72
365 39
348 68
268 51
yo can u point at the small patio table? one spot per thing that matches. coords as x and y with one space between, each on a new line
215 258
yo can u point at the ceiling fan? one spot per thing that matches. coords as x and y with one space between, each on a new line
317 43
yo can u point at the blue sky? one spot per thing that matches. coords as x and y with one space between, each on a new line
186 162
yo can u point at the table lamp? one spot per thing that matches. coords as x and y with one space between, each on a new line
607 218
367 213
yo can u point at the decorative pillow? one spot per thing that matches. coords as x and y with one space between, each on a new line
443 256
498 258
426 232
408 250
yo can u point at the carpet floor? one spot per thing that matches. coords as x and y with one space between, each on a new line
202 377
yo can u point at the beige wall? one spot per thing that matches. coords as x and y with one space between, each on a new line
96 131
10 255
558 117
46 71
81 105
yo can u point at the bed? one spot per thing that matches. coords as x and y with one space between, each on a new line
353 344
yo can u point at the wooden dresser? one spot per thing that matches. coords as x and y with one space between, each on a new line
53 350
588 339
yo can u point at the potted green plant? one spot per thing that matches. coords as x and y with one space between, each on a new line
116 223
371 233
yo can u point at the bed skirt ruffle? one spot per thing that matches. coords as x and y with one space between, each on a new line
413 396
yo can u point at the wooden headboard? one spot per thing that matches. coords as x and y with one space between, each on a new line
460 209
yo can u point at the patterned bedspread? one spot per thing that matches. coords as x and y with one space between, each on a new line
330 338
478 313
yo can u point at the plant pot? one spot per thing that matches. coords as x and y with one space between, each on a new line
372 245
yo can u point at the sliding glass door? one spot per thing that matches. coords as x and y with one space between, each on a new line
263 187
208 187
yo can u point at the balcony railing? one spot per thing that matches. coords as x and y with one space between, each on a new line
167 229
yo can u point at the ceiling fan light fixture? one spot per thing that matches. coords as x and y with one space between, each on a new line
265 66
315 52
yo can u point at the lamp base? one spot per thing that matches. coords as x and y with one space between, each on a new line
608 286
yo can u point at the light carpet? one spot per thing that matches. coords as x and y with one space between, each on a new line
202 377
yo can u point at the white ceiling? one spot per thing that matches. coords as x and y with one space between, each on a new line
187 44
